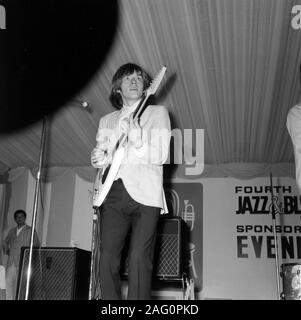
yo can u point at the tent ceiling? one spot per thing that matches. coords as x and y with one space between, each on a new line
232 71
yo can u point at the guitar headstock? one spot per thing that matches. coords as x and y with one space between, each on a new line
156 82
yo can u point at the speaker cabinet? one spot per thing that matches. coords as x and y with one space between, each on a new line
56 274
169 250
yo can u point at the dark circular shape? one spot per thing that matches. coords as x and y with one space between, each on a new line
49 50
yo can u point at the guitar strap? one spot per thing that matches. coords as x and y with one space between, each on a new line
139 111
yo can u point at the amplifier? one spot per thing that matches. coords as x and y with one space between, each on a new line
56 274
169 250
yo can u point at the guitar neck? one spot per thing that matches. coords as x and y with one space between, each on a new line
141 107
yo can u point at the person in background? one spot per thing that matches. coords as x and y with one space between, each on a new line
293 124
17 238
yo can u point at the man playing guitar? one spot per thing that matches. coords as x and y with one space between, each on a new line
136 197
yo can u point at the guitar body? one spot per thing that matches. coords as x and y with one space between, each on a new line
100 188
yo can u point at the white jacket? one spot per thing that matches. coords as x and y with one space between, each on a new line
142 169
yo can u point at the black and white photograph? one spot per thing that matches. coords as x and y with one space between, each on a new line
150 150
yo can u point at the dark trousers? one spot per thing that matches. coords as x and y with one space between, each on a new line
120 213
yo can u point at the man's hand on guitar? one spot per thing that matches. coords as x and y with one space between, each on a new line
98 156
135 133
133 129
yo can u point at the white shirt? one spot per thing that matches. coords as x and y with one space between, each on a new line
20 229
126 111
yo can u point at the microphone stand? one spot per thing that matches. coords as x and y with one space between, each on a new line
35 207
95 218
95 235
275 238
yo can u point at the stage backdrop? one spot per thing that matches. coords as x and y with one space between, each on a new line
231 247
239 249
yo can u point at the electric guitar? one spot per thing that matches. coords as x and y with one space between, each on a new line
106 175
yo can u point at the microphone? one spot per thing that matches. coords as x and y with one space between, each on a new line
85 105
